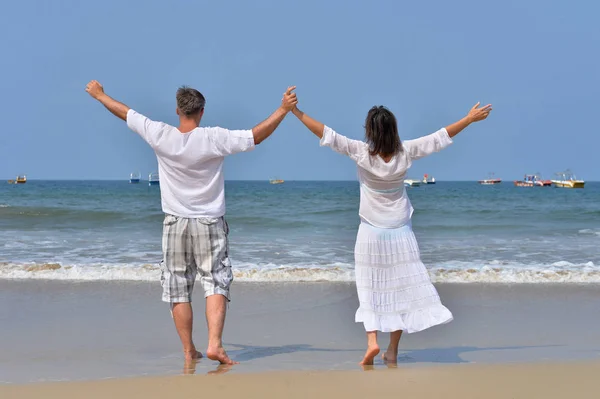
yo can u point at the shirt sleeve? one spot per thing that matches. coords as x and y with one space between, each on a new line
427 145
149 130
228 142
355 149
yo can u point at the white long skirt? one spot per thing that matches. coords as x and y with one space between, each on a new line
394 288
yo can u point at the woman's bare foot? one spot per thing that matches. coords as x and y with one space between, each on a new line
370 354
220 355
390 357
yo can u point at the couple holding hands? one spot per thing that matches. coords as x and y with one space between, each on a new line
395 292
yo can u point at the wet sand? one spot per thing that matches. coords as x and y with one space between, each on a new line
64 331
562 380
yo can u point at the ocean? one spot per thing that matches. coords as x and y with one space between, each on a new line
303 231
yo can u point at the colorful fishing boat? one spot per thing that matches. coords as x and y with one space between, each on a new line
276 181
533 181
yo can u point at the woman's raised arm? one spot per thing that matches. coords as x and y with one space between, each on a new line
355 149
313 125
474 115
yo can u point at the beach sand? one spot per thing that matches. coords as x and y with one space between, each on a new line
577 380
66 331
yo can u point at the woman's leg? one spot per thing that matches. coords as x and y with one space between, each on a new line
372 349
391 355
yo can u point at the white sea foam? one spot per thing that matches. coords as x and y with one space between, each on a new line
452 272
595 232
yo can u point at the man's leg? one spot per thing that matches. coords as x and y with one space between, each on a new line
216 308
184 321
177 279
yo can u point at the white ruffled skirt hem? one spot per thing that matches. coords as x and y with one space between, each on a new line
393 285
410 322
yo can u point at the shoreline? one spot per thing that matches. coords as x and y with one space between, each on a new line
527 380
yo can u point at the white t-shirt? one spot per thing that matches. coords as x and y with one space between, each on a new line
190 165
383 199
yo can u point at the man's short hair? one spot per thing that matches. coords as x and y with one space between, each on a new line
189 101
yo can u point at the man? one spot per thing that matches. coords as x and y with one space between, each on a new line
195 233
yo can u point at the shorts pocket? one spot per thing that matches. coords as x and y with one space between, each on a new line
170 220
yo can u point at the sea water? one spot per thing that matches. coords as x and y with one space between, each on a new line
303 231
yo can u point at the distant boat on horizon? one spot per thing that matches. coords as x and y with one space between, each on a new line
411 183
134 178
153 179
567 179
490 180
428 180
532 181
21 179
276 181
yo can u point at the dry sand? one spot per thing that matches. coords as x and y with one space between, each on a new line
558 380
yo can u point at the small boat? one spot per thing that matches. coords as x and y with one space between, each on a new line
153 179
276 181
134 178
412 183
532 181
490 180
21 179
428 180
567 179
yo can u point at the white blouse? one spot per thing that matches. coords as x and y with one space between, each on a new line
383 199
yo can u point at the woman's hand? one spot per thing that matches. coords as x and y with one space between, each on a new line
479 114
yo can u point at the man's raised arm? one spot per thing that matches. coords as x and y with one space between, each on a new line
95 89
268 126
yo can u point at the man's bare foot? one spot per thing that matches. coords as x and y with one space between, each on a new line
390 357
372 351
220 355
191 356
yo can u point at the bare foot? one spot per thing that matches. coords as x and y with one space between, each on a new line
372 351
192 355
220 355
390 358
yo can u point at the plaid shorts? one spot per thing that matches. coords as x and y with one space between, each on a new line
192 247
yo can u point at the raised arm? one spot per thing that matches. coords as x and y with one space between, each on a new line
355 149
95 89
313 125
474 115
268 126
427 145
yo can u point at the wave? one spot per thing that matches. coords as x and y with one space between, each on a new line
448 272
589 232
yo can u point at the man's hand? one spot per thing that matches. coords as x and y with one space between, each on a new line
95 89
479 114
289 100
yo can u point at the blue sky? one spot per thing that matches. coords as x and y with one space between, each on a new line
429 61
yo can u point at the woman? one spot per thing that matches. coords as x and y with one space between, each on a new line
394 289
